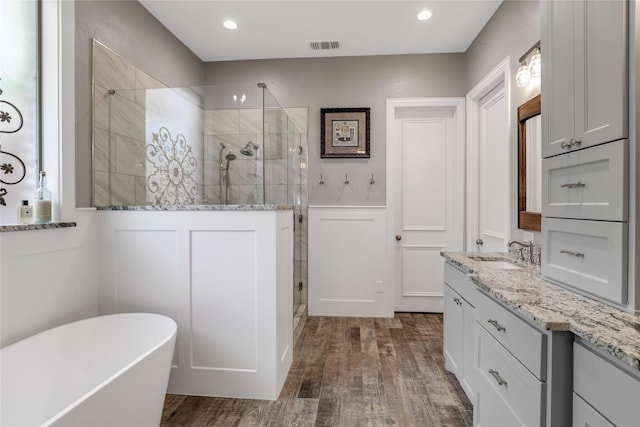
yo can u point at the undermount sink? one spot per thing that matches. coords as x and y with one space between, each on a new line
502 265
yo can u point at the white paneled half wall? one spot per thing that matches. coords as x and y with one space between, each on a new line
225 277
348 262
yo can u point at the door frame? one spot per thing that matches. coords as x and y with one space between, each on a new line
457 106
500 74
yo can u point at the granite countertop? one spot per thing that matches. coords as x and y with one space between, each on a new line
198 208
30 227
555 308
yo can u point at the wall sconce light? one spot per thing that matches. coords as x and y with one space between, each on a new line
528 73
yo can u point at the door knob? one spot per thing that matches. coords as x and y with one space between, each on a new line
479 242
398 237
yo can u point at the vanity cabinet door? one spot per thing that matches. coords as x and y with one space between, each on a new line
557 45
453 339
584 77
459 328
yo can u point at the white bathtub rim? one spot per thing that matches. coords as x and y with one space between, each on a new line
117 373
125 368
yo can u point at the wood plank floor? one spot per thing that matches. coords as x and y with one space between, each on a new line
348 372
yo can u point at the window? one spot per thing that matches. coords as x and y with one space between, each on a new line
19 104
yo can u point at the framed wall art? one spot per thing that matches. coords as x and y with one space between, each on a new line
345 132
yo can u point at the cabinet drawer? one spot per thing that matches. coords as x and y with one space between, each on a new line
460 282
590 256
610 390
585 415
526 343
587 184
511 384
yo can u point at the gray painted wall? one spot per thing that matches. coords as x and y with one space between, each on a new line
512 30
129 29
347 82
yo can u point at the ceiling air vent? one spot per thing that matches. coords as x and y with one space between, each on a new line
325 45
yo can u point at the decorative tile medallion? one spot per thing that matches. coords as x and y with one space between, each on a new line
170 169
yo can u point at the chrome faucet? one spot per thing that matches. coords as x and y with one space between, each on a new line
529 246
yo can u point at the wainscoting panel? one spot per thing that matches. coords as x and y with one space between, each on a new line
47 278
223 293
348 262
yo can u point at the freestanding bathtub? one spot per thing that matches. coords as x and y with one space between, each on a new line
105 371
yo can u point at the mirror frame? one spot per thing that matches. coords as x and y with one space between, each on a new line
526 220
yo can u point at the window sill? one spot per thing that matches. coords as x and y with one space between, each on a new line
30 227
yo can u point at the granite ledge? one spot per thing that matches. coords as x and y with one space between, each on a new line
30 227
197 208
555 308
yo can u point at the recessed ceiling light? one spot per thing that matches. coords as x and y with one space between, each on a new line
423 15
230 25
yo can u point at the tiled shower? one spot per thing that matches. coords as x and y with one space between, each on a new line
154 145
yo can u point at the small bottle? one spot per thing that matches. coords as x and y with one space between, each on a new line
42 208
25 213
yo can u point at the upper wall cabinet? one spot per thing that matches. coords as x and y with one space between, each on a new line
585 76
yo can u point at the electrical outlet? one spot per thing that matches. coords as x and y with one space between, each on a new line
379 286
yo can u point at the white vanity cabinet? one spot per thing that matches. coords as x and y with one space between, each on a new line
584 77
459 327
605 392
519 374
585 105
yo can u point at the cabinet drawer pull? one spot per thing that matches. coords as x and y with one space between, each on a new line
574 253
571 143
497 325
572 184
457 301
496 376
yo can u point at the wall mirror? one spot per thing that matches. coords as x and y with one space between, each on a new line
529 165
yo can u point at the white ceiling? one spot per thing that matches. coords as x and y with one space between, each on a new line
284 29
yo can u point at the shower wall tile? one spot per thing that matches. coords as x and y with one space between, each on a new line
112 71
275 121
278 172
251 121
273 146
102 148
212 195
276 194
298 119
123 189
101 188
100 108
129 156
243 172
127 117
218 122
141 191
248 194
145 81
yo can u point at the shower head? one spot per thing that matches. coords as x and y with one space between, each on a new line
247 150
230 156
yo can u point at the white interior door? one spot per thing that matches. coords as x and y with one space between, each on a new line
426 175
488 163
